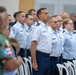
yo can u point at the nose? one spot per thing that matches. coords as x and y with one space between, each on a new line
48 15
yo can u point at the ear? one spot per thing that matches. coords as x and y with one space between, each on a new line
17 17
40 16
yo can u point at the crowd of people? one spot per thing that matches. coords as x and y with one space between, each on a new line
47 39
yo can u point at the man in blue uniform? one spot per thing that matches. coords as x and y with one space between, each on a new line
41 44
19 32
57 45
29 28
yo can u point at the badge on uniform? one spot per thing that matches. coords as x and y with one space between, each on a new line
53 38
7 51
44 31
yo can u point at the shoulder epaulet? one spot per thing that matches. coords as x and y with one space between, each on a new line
63 31
37 24
74 32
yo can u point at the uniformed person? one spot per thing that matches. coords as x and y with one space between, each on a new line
57 46
15 18
34 14
64 15
29 28
60 23
19 32
69 40
41 44
8 64
60 30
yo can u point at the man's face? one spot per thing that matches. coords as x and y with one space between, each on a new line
29 20
9 19
60 21
73 18
53 23
5 20
44 16
64 15
34 14
21 18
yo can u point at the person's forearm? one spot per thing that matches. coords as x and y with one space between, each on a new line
12 64
33 53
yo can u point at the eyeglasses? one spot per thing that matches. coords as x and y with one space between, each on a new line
71 23
54 21
57 21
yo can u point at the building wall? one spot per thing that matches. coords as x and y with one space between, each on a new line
25 5
54 6
11 5
16 5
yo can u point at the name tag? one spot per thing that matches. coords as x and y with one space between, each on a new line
44 31
53 38
21 30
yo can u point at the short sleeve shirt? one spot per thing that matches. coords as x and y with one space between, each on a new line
42 35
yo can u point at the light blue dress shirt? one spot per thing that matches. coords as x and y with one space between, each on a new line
69 44
42 35
57 43
19 32
34 24
29 29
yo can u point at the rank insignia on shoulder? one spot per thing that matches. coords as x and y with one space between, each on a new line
37 24
63 31
74 32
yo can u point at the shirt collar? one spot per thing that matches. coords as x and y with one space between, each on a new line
43 24
59 30
28 26
34 23
53 31
19 24
65 30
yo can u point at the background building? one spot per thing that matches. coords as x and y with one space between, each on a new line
54 6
